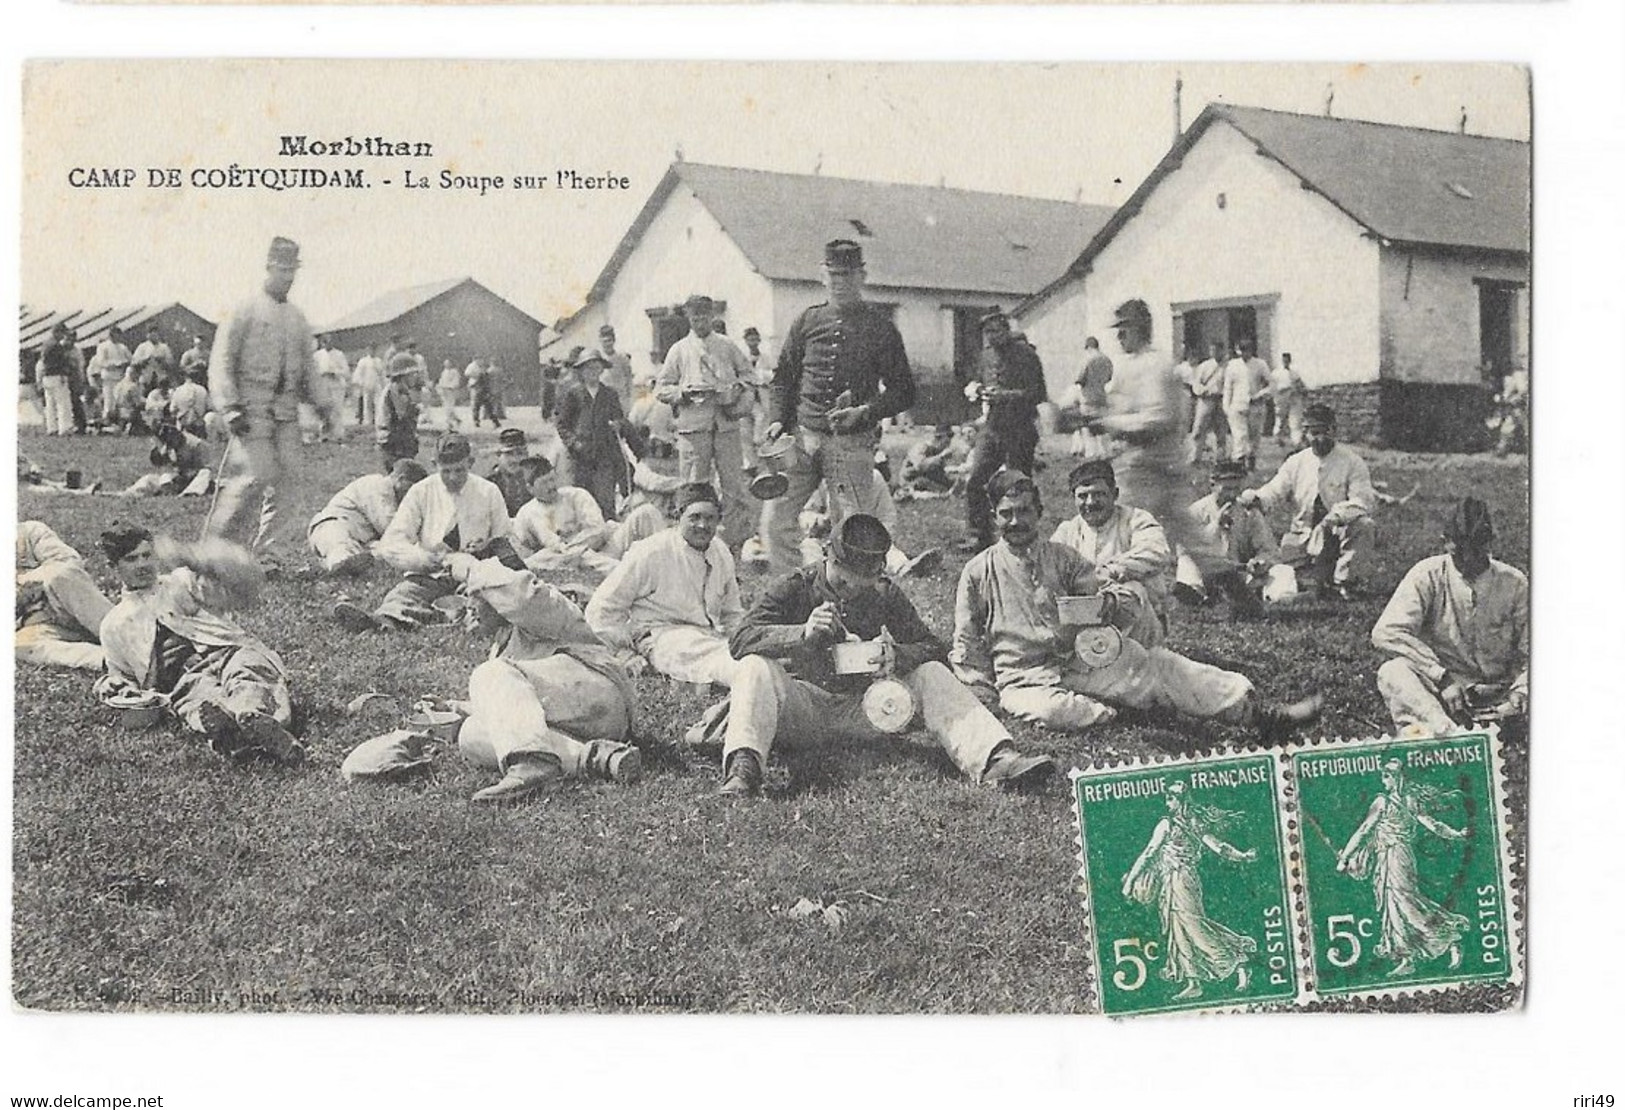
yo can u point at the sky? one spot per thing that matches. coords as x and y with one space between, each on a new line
1071 132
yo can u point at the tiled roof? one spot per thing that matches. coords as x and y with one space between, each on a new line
913 236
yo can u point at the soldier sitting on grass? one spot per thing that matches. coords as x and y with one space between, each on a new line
1457 633
788 688
1011 643
552 702
164 639
674 598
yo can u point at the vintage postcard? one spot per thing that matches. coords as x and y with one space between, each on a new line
516 537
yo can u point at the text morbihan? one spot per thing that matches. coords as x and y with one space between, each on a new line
351 146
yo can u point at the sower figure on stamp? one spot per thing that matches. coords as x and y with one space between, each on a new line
793 686
1414 927
165 641
1197 949
551 702
1011 643
704 381
1327 488
842 371
1011 389
263 366
450 511
1457 631
59 608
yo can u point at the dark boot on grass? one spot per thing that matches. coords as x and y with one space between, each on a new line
353 618
1009 769
264 733
526 775
741 775
1277 721
220 728
617 762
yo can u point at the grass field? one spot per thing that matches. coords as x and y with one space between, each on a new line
150 874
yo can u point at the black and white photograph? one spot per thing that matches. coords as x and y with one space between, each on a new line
638 538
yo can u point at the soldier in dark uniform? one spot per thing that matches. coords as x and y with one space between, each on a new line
590 422
841 372
1011 389
508 477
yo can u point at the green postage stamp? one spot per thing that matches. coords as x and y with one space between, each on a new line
1404 865
1264 880
1186 885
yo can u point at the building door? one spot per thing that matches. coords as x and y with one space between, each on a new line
669 325
939 404
1251 322
1497 329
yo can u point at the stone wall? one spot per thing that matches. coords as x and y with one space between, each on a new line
1411 416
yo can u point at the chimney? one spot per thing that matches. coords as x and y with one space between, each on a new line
1331 95
1461 124
1179 111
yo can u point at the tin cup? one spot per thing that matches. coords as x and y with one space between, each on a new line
775 457
1085 609
442 724
858 656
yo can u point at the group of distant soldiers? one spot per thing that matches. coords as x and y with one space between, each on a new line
1065 632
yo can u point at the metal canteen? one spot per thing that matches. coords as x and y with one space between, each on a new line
889 705
1100 646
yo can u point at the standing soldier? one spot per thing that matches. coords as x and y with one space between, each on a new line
591 422
1288 387
1093 379
367 380
262 367
703 380
114 357
753 422
842 371
332 382
1147 421
1207 391
618 372
1011 389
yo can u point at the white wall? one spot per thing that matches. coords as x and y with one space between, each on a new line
1430 314
684 250
1271 237
1057 327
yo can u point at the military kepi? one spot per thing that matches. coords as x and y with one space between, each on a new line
843 254
1132 313
284 252
861 542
